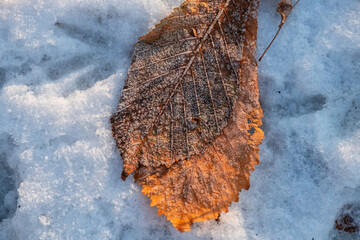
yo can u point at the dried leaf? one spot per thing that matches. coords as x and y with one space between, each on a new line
284 8
347 220
188 120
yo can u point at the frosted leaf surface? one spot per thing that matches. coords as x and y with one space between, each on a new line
189 116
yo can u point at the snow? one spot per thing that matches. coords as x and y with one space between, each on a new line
62 68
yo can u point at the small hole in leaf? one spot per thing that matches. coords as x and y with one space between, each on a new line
251 131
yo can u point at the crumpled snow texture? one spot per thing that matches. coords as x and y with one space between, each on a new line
62 69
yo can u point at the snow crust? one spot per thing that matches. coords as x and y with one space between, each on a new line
62 68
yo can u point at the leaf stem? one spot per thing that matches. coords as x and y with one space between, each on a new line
295 4
280 26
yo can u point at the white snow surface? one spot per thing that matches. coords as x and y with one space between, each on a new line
63 64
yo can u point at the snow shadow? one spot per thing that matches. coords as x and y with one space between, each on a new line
8 179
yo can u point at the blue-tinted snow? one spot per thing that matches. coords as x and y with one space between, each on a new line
62 68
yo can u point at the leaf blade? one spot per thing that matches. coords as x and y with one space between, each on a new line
173 120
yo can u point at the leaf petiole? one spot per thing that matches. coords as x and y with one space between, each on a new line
284 9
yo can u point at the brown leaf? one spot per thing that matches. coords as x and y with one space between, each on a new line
284 9
348 219
188 120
